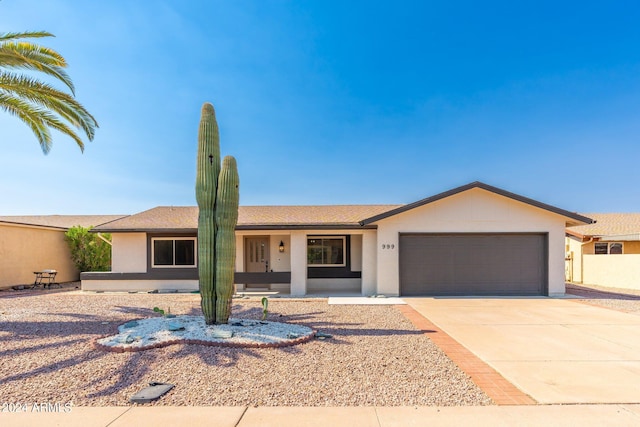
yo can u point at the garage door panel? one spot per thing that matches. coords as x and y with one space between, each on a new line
473 264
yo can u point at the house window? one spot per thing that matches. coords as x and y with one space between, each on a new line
604 248
173 252
326 251
615 248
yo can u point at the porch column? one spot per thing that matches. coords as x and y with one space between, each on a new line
298 263
239 267
369 263
239 253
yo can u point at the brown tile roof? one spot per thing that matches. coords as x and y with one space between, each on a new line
60 221
185 218
609 224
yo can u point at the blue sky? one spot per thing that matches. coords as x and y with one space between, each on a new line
336 102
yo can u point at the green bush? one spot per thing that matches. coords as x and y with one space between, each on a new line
88 251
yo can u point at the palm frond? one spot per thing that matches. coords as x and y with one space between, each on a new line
47 96
39 120
30 116
39 105
34 52
25 35
34 57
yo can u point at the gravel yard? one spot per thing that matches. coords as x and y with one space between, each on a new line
627 300
376 357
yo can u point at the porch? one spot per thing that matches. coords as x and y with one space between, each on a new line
286 262
306 262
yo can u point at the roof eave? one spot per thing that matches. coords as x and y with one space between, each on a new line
248 227
143 230
574 234
354 226
25 224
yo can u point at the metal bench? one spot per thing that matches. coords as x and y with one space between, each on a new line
45 278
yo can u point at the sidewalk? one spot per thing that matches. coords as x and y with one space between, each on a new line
143 416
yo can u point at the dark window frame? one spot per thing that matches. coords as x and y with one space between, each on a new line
343 239
173 239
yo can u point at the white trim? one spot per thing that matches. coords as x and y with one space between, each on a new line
173 239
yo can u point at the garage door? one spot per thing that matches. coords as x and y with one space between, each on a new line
473 264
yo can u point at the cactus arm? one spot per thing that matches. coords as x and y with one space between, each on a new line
226 220
208 169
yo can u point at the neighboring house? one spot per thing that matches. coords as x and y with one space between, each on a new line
606 253
35 243
472 240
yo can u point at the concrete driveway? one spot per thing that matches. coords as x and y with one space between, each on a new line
555 350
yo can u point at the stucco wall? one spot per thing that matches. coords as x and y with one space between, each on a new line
631 248
369 262
129 252
298 262
617 271
472 211
356 252
139 285
280 261
322 286
25 249
573 267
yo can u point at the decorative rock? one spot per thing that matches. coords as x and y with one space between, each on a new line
175 326
218 333
129 339
323 335
291 335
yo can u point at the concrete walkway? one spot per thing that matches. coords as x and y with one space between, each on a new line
554 350
494 416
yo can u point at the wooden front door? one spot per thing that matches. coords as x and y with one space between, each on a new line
256 254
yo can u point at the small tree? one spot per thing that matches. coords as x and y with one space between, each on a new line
88 251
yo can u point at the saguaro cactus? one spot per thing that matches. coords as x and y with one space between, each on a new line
226 220
208 169
217 193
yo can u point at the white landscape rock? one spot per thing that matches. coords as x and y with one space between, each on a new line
160 330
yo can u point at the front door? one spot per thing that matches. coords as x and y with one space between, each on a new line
256 256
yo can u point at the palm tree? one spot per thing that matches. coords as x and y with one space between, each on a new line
39 105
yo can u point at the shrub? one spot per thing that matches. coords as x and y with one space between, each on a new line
88 251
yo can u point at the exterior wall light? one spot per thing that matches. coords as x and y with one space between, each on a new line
281 247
